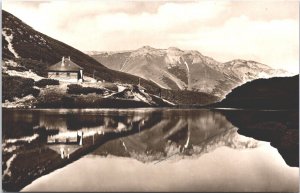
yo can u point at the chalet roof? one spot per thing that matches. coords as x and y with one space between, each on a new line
65 65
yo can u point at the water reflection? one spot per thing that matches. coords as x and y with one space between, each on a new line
38 141
280 128
185 132
158 133
223 170
20 123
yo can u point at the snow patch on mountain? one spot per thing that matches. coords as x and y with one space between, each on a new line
187 66
177 81
24 74
9 39
121 87
139 97
11 63
23 139
168 102
172 60
7 171
122 67
147 50
160 85
91 53
10 149
173 56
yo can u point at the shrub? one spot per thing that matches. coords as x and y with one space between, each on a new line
67 101
78 89
15 86
50 98
44 82
94 101
109 86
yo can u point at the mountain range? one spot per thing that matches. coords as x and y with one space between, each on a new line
25 49
178 69
171 73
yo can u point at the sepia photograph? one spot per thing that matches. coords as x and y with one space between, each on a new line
150 96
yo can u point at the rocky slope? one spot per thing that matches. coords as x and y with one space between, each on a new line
25 49
21 92
173 68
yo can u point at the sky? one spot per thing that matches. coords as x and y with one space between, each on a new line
264 31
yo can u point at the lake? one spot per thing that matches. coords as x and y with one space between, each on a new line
150 149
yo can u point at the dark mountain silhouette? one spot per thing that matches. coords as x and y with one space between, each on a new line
273 93
279 127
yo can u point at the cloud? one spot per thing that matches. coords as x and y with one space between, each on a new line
273 42
265 31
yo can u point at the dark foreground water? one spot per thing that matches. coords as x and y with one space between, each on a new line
167 150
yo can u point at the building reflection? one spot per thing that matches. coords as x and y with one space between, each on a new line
153 132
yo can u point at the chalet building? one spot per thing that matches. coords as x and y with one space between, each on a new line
66 70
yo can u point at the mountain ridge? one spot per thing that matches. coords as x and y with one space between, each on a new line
173 68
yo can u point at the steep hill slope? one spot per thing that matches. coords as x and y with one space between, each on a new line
21 42
25 49
178 69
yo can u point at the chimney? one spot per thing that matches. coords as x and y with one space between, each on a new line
63 61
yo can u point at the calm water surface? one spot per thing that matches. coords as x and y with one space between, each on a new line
168 150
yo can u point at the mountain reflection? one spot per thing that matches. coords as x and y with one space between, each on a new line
157 134
178 132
